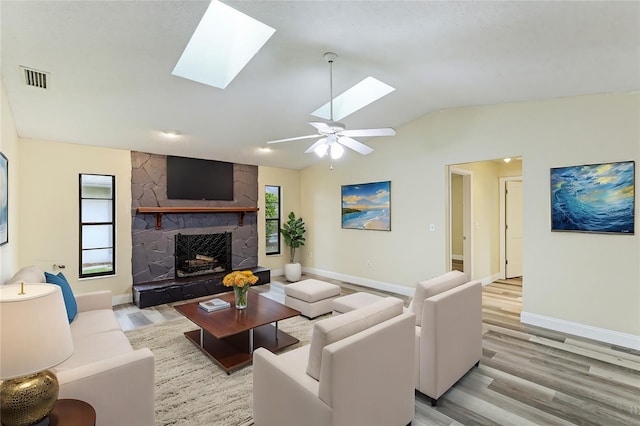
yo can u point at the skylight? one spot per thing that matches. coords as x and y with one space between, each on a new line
362 94
222 44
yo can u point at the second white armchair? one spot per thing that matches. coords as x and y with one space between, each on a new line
358 370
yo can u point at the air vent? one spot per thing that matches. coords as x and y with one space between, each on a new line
35 78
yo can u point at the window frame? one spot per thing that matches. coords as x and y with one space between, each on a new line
111 223
277 220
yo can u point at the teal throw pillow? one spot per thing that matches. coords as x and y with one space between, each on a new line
67 293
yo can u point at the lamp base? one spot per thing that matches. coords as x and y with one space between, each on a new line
43 422
29 399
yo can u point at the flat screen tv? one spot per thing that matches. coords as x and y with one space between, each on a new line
198 179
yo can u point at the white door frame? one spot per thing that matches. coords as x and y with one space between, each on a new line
503 206
467 218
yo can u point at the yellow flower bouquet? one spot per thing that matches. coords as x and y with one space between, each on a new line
240 281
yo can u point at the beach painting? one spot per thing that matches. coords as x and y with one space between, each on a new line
594 198
367 206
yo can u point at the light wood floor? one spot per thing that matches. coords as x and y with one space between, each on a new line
527 375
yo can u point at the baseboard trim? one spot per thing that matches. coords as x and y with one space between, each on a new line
121 299
457 257
595 333
365 282
491 278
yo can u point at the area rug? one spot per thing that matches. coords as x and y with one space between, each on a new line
190 388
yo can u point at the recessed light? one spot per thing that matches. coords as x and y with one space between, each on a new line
362 94
264 149
224 42
506 160
171 133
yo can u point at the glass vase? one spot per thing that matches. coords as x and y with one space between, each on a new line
240 294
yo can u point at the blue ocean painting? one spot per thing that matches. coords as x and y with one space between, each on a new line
593 198
367 206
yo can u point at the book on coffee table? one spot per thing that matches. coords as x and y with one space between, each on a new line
213 305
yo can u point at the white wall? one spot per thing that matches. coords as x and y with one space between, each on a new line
289 183
49 212
9 147
584 279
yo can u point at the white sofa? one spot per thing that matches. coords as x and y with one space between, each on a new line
448 331
104 370
357 371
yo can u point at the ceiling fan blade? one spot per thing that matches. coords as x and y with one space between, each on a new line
294 139
321 126
384 131
355 145
315 145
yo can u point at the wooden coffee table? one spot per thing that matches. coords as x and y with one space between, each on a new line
230 335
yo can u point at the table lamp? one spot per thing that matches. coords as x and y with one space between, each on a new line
34 336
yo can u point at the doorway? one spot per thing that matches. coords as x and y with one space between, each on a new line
480 249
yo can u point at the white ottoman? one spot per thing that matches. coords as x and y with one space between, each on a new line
353 301
311 297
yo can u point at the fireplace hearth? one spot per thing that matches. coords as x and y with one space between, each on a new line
202 254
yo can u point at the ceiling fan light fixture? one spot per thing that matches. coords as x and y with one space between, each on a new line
321 150
334 136
171 133
336 151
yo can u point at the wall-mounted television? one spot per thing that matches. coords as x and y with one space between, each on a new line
198 179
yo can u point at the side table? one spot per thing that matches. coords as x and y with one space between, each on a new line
72 412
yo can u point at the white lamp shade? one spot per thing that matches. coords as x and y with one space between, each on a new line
321 150
336 151
34 329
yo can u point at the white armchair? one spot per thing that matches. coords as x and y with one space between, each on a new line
358 370
448 332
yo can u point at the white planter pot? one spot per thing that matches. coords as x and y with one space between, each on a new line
292 272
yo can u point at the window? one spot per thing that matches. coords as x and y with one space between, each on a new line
97 225
272 214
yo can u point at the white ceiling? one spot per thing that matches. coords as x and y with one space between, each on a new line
111 63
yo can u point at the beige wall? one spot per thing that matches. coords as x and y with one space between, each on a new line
289 182
49 209
511 169
586 279
9 147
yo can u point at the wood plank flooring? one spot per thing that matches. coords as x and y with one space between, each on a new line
527 376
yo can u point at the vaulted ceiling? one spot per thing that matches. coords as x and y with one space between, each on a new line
110 66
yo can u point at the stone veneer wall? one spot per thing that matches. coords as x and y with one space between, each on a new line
153 249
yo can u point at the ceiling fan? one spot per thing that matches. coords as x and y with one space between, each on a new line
333 135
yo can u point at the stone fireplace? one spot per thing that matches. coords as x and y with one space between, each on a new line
201 254
161 272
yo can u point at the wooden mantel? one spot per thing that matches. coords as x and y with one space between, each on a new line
159 211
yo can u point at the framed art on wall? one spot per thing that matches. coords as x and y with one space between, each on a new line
596 198
4 199
367 206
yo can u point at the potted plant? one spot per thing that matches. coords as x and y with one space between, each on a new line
293 233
